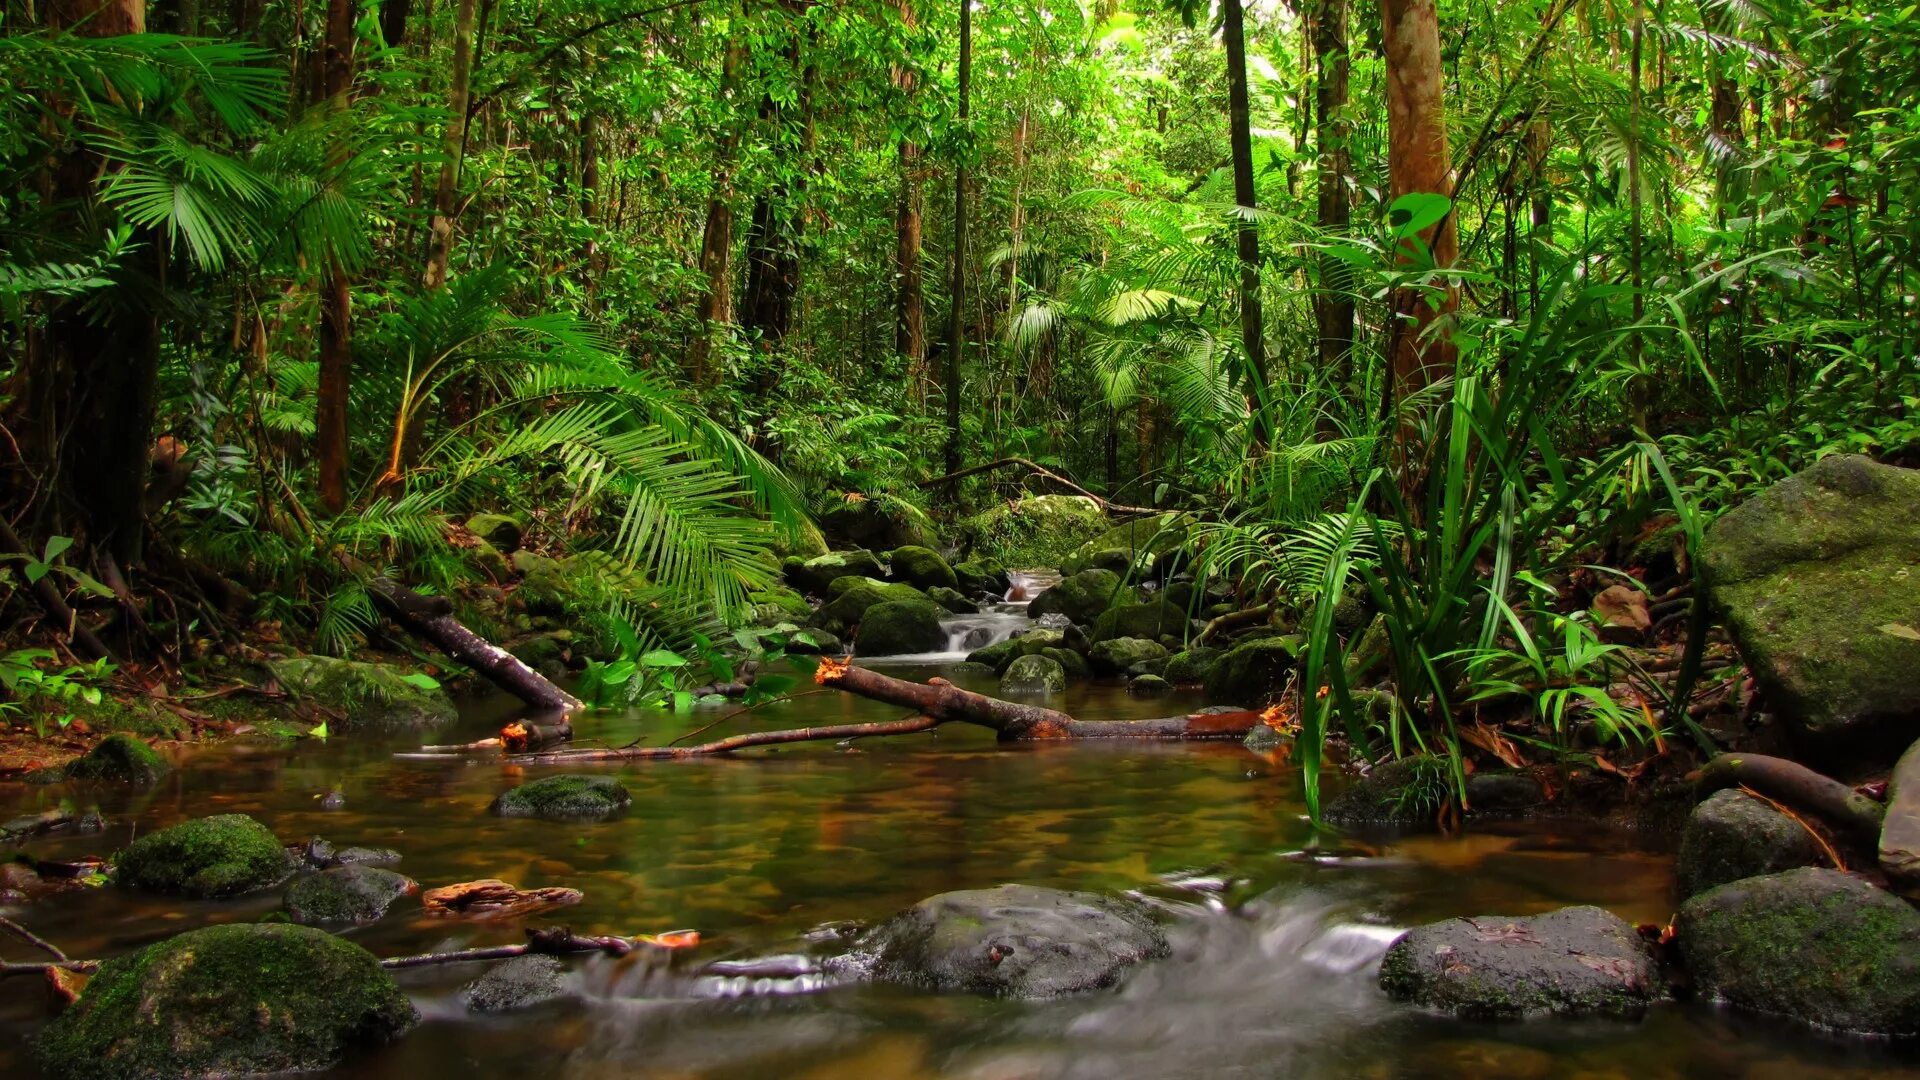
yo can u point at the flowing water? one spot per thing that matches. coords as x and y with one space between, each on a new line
1271 974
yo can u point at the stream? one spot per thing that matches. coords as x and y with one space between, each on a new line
1272 971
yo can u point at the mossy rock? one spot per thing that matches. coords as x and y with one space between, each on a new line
347 894
119 758
981 577
1192 665
1733 835
814 575
227 1001
893 627
882 523
1814 945
568 797
803 541
1081 597
207 858
849 608
1034 642
367 695
502 531
1071 662
1819 577
1033 532
1148 686
1130 543
1149 619
1578 961
777 604
952 600
1253 673
1116 655
550 654
1033 674
921 567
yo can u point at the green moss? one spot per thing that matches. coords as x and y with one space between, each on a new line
1123 545
224 855
1001 653
981 577
850 606
1253 672
503 532
813 576
778 604
1149 619
1116 655
1082 597
235 1000
366 695
1192 665
345 894
1036 532
1033 674
119 758
565 797
921 567
893 627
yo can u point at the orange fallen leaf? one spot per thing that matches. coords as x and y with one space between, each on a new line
672 939
64 986
831 669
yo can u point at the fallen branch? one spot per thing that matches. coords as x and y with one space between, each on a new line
1792 783
833 732
32 939
1044 473
553 942
1233 620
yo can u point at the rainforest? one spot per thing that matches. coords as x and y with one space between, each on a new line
955 540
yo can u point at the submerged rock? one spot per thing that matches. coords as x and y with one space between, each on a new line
892 627
921 567
366 695
227 1001
519 983
568 797
1081 597
1818 576
1116 655
1577 961
1253 673
120 758
1816 945
346 894
1015 941
1033 674
224 855
1732 835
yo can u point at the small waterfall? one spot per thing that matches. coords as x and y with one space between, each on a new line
995 622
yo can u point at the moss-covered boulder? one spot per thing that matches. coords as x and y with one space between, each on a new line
1081 597
1148 685
1130 543
1408 793
1033 532
856 595
119 758
1034 674
1732 835
776 604
1117 655
883 523
1900 835
567 797
812 576
1815 945
921 567
211 857
550 653
1191 665
346 895
1254 672
502 532
1817 576
1578 961
953 600
227 1001
1001 653
1149 619
895 627
1071 662
803 541
981 577
366 696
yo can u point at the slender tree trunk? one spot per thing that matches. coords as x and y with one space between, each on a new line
956 316
1642 392
336 298
393 21
452 145
716 240
1417 161
909 294
1334 307
1247 233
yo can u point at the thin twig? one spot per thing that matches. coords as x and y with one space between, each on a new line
32 939
729 716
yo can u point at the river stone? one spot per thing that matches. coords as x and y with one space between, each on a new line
346 894
1034 642
207 858
1149 619
981 577
1577 961
366 695
1191 665
227 1001
1081 597
1039 530
952 600
1733 835
1034 674
120 758
1900 836
1119 547
366 856
1015 941
1253 673
1819 577
1116 655
815 574
568 797
921 567
1149 686
893 627
1813 944
503 533
878 523
520 983
1070 662
849 606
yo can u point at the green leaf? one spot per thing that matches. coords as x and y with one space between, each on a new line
1899 630
1415 212
662 658
319 731
421 680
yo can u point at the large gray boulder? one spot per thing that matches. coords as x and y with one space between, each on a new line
1014 941
1733 835
1819 577
1816 945
1577 961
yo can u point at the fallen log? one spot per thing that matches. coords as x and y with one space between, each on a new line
1044 473
1853 814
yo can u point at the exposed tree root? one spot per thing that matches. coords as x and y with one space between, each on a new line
1850 813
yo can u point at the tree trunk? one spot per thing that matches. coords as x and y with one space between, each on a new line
1247 233
957 298
1417 161
773 236
1334 307
336 298
909 296
440 231
716 240
393 21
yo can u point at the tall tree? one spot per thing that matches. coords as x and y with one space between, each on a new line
716 239
957 300
1247 232
452 144
1334 307
909 293
336 298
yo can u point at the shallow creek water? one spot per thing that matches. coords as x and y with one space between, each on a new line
1272 977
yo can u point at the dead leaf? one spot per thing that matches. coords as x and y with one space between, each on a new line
672 939
1622 613
1899 630
1491 741
64 986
